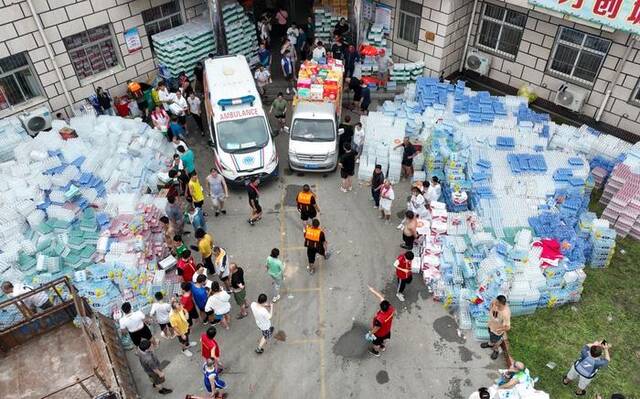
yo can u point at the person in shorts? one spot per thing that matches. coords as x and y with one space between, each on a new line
347 168
151 365
254 201
316 243
186 299
263 312
279 110
587 366
499 325
161 310
179 320
212 382
387 196
218 191
408 153
221 266
288 70
238 288
381 325
133 323
307 205
219 305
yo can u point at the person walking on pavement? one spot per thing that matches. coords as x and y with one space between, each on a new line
179 320
195 111
263 312
347 168
239 289
254 201
587 366
262 77
218 191
210 347
195 190
288 70
307 205
221 266
381 326
134 324
160 310
499 325
212 382
387 196
275 269
403 273
205 247
376 185
316 243
279 105
151 365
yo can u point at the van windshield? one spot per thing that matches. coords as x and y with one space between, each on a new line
313 130
242 135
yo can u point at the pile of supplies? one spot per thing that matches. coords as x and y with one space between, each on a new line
321 82
325 19
240 32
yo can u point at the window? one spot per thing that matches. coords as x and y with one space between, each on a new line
409 21
161 18
92 51
501 30
635 97
578 55
18 82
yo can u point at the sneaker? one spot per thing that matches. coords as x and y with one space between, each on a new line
350 188
251 222
216 214
165 391
288 91
327 255
400 297
400 226
223 212
187 353
375 207
259 351
344 190
485 345
275 299
374 352
192 344
494 355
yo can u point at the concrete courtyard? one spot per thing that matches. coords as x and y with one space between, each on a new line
320 322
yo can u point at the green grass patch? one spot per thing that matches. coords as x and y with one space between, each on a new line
609 309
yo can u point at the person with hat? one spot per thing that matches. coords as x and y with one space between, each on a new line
307 205
316 243
384 63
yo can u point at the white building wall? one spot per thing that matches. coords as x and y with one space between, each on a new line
62 18
449 19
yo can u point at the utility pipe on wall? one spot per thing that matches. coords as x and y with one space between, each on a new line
611 85
466 43
47 46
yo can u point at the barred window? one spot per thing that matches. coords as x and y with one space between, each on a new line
92 51
160 18
501 30
18 82
409 16
578 55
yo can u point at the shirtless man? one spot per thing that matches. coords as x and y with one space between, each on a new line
499 325
169 232
410 230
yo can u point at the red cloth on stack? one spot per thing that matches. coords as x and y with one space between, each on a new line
551 254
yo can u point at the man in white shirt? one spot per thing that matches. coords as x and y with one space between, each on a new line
262 312
384 62
133 323
319 52
160 310
164 96
292 34
30 304
194 110
435 190
262 77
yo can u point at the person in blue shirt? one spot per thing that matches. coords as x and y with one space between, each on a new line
264 55
586 367
188 159
288 70
176 128
200 293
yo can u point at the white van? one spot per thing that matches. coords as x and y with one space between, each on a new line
239 127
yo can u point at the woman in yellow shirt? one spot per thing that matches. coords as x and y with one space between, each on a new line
179 320
196 191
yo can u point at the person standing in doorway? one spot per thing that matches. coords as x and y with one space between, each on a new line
408 154
254 201
288 70
279 111
387 196
179 321
403 273
275 269
263 312
347 168
239 289
587 366
151 365
134 324
307 205
218 191
377 181
381 326
499 325
316 243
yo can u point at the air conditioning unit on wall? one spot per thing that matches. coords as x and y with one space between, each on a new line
36 120
478 62
570 97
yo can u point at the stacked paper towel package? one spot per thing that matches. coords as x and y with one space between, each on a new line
240 32
513 215
180 48
69 210
325 19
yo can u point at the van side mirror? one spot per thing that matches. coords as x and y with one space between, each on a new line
340 131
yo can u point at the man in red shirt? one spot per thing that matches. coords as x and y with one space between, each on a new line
186 299
210 347
403 272
381 326
186 266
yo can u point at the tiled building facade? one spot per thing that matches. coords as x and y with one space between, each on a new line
88 45
536 47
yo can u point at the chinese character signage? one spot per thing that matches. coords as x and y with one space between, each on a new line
618 14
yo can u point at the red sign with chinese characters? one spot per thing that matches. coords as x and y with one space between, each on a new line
618 14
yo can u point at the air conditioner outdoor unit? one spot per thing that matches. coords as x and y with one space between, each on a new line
478 62
570 97
36 120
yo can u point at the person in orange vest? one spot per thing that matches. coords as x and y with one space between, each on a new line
381 326
307 205
316 243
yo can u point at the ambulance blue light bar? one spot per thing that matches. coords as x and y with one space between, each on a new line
225 102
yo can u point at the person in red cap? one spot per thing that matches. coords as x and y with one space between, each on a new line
384 62
381 326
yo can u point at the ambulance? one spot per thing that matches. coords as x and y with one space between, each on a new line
240 130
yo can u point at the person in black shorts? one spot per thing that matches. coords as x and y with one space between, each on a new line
134 324
408 154
307 205
347 167
316 243
355 85
254 203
